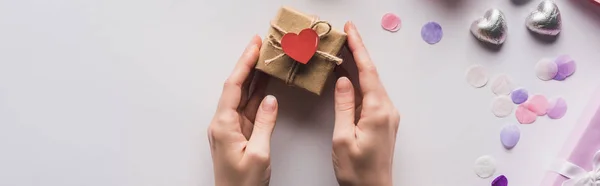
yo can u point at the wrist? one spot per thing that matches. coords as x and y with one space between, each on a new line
375 180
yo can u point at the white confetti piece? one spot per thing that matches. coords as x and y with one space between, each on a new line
502 106
502 85
485 166
546 69
477 76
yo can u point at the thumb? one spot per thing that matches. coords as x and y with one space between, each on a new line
344 110
260 140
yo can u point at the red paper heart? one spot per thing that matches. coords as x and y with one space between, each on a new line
300 47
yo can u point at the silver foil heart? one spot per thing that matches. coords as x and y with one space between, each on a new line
545 20
491 28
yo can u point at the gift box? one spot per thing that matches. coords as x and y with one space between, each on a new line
282 64
579 160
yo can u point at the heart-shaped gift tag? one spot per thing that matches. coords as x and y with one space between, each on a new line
491 28
300 47
545 19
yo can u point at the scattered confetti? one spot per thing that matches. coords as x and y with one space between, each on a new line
431 32
519 96
500 181
510 135
557 108
538 104
477 76
546 69
566 67
502 106
485 166
524 115
390 22
502 85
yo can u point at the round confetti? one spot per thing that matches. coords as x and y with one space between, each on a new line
538 104
546 69
524 115
510 135
557 108
566 67
500 181
502 85
519 96
432 32
485 166
502 106
390 22
477 76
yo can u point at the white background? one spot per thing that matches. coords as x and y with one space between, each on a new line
120 92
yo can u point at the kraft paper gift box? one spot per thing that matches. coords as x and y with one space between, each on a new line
312 75
579 160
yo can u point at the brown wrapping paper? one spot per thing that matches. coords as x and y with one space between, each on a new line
314 74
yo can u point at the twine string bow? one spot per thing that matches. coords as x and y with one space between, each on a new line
579 176
277 44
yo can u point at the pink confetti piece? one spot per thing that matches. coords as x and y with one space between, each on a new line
557 108
537 104
524 115
390 22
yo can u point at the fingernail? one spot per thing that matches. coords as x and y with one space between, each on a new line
343 85
251 44
352 25
269 104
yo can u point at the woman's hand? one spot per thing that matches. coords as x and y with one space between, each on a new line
240 132
364 135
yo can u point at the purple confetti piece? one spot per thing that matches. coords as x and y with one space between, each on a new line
557 108
510 135
432 32
566 67
500 181
519 96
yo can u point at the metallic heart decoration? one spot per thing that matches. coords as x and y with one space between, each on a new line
545 20
491 28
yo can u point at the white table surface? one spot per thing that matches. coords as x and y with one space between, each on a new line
120 92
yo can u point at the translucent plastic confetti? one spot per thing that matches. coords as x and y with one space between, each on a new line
390 22
510 135
502 106
502 85
431 32
500 181
546 69
538 104
566 67
524 115
477 76
519 95
557 108
485 166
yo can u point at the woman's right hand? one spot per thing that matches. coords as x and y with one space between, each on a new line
364 135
